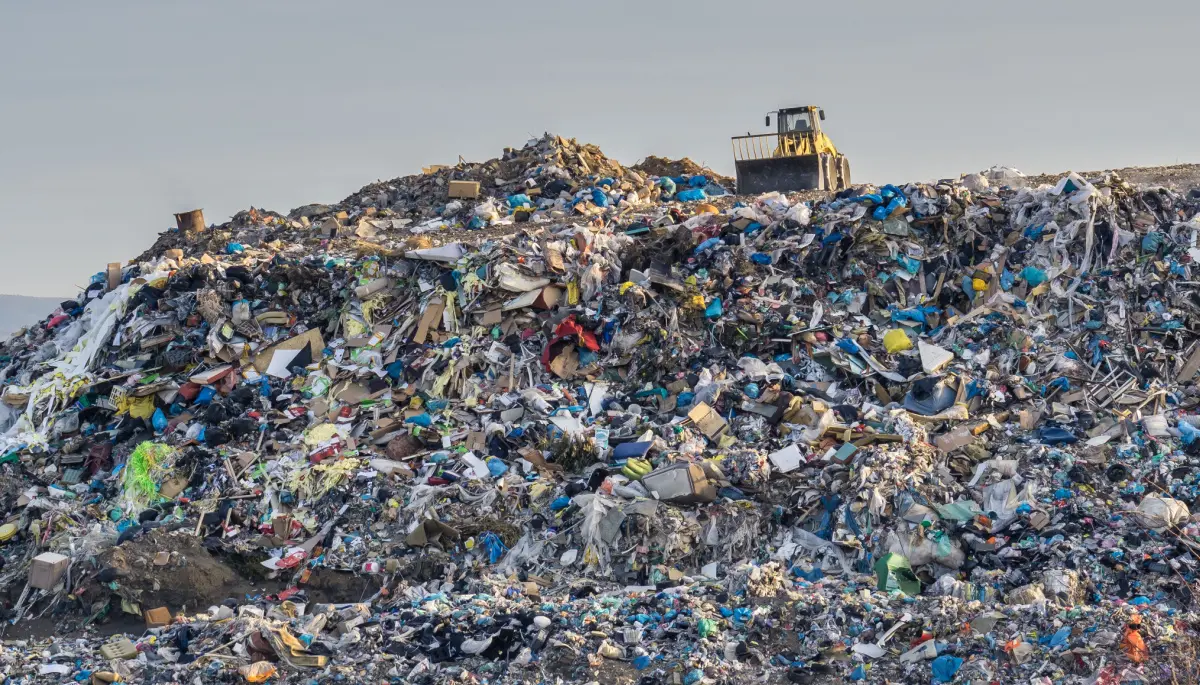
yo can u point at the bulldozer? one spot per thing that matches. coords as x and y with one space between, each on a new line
798 156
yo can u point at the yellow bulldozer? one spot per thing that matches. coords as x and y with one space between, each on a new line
798 156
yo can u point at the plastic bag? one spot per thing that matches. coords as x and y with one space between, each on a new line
1188 432
257 672
487 211
1033 276
975 182
800 213
691 195
1159 513
159 420
896 340
1134 646
945 667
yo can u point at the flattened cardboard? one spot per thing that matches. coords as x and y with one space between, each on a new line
546 298
431 532
566 364
707 420
787 459
212 375
311 339
430 320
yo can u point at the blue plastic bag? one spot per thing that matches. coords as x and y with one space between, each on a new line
698 181
1053 435
910 265
968 287
714 308
691 195
760 258
894 199
1060 638
495 548
706 245
848 345
1007 279
1188 432
945 667
1033 276
159 420
599 198
519 200
1152 241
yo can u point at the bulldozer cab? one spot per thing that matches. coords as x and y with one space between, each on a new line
797 120
798 156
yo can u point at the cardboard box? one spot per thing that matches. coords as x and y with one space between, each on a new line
47 569
157 618
464 189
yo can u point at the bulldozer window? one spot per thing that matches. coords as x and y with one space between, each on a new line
798 121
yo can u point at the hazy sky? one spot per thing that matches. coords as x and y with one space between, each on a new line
115 114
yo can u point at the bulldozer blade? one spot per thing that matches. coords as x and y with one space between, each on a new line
784 174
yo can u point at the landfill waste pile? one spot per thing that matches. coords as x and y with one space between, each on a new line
550 419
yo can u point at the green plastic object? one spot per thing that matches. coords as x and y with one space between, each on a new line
895 573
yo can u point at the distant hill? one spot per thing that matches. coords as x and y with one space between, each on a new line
18 310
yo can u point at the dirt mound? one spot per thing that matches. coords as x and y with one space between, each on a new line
1181 177
171 570
338 587
661 166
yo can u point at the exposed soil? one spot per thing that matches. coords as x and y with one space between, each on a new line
192 579
337 587
661 166
1177 176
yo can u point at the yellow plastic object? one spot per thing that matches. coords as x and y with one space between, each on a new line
706 208
896 340
979 284
7 531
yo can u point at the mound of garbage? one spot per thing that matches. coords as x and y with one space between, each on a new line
551 419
